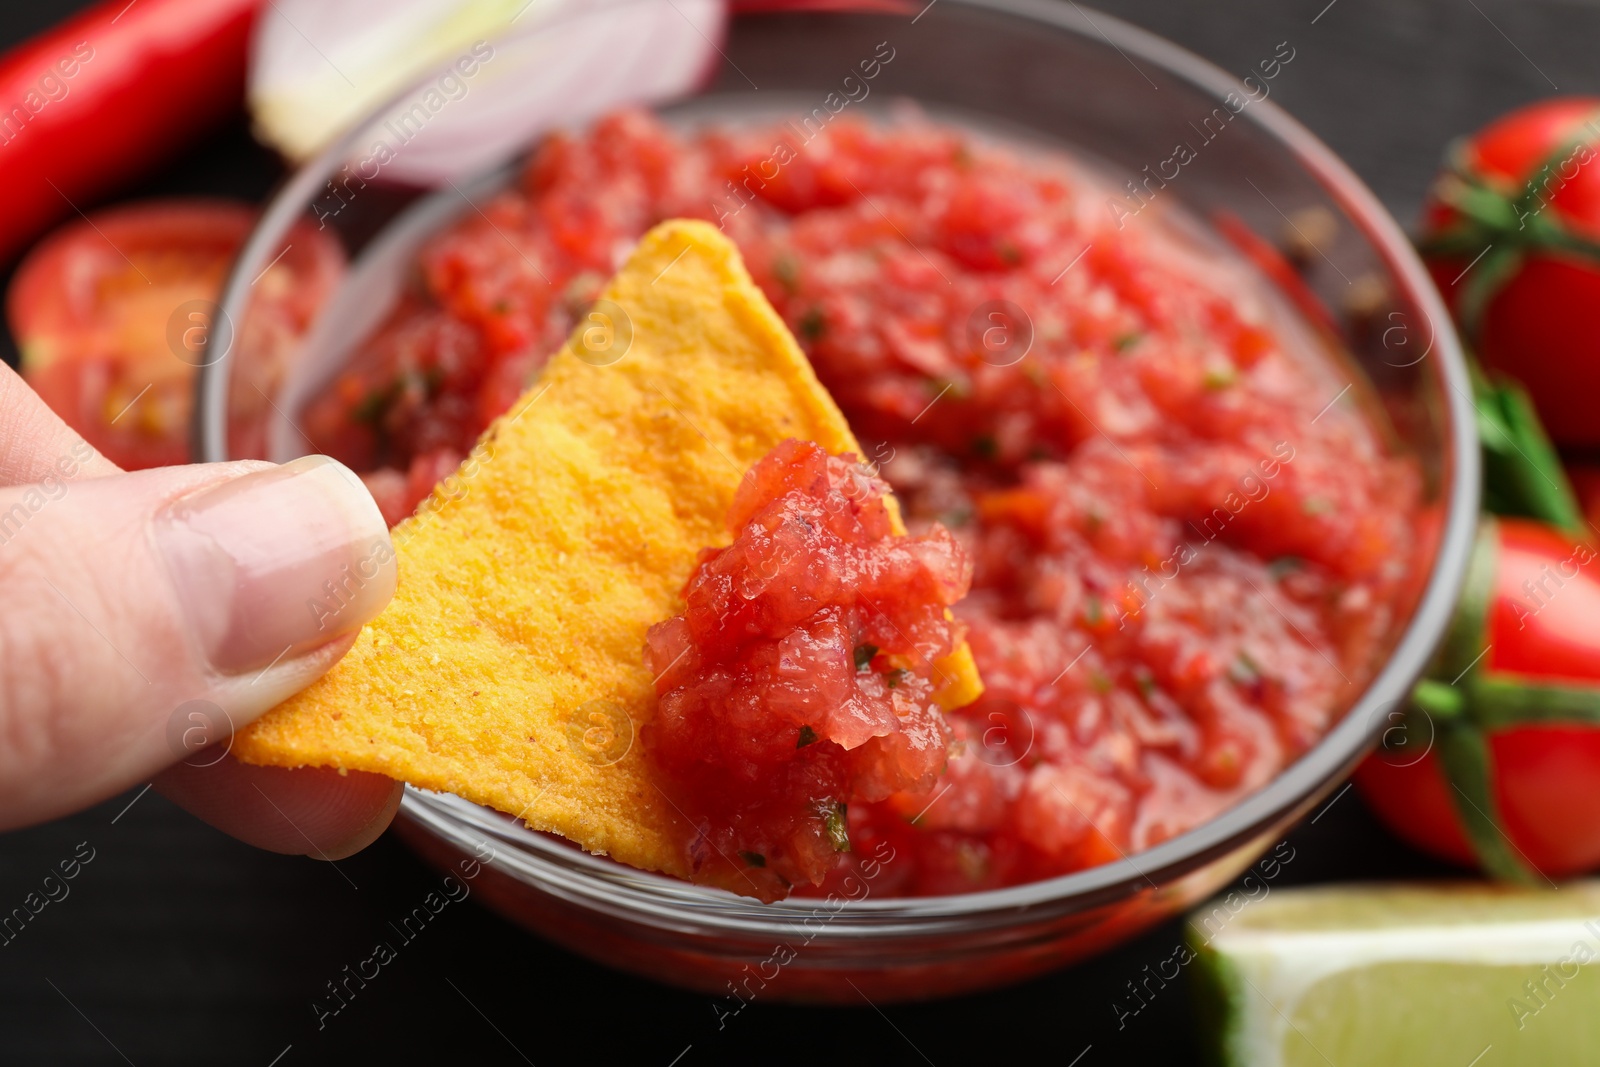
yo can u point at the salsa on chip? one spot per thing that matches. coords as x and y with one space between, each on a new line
511 666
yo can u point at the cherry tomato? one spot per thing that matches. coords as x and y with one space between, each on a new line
1533 695
113 313
1511 233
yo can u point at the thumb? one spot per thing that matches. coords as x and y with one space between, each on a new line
135 595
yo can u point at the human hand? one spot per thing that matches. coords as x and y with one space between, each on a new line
131 599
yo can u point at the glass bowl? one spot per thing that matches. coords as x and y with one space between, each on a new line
1030 69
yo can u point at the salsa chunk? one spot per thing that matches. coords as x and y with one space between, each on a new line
800 677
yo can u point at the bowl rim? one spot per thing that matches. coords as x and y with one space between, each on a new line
1288 795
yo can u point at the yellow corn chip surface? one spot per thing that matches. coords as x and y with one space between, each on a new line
509 669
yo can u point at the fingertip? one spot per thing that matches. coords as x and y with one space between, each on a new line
306 811
375 827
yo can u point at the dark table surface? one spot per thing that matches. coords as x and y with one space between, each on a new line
180 945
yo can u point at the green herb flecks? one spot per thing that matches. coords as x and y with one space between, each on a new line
1284 566
786 268
1244 671
951 388
752 859
895 677
972 859
808 736
863 656
836 821
371 409
813 325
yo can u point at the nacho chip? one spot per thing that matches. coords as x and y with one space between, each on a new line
509 667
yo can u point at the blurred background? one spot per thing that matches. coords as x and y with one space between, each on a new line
180 945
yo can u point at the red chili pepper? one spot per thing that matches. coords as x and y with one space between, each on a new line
1510 719
107 94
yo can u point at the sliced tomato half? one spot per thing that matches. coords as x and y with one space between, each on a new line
113 313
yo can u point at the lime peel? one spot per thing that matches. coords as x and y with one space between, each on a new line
1404 974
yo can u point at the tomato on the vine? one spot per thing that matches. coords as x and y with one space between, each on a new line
1510 773
1511 234
113 313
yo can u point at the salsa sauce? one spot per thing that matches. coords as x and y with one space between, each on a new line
1187 551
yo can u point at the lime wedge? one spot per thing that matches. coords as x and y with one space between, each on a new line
1460 975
